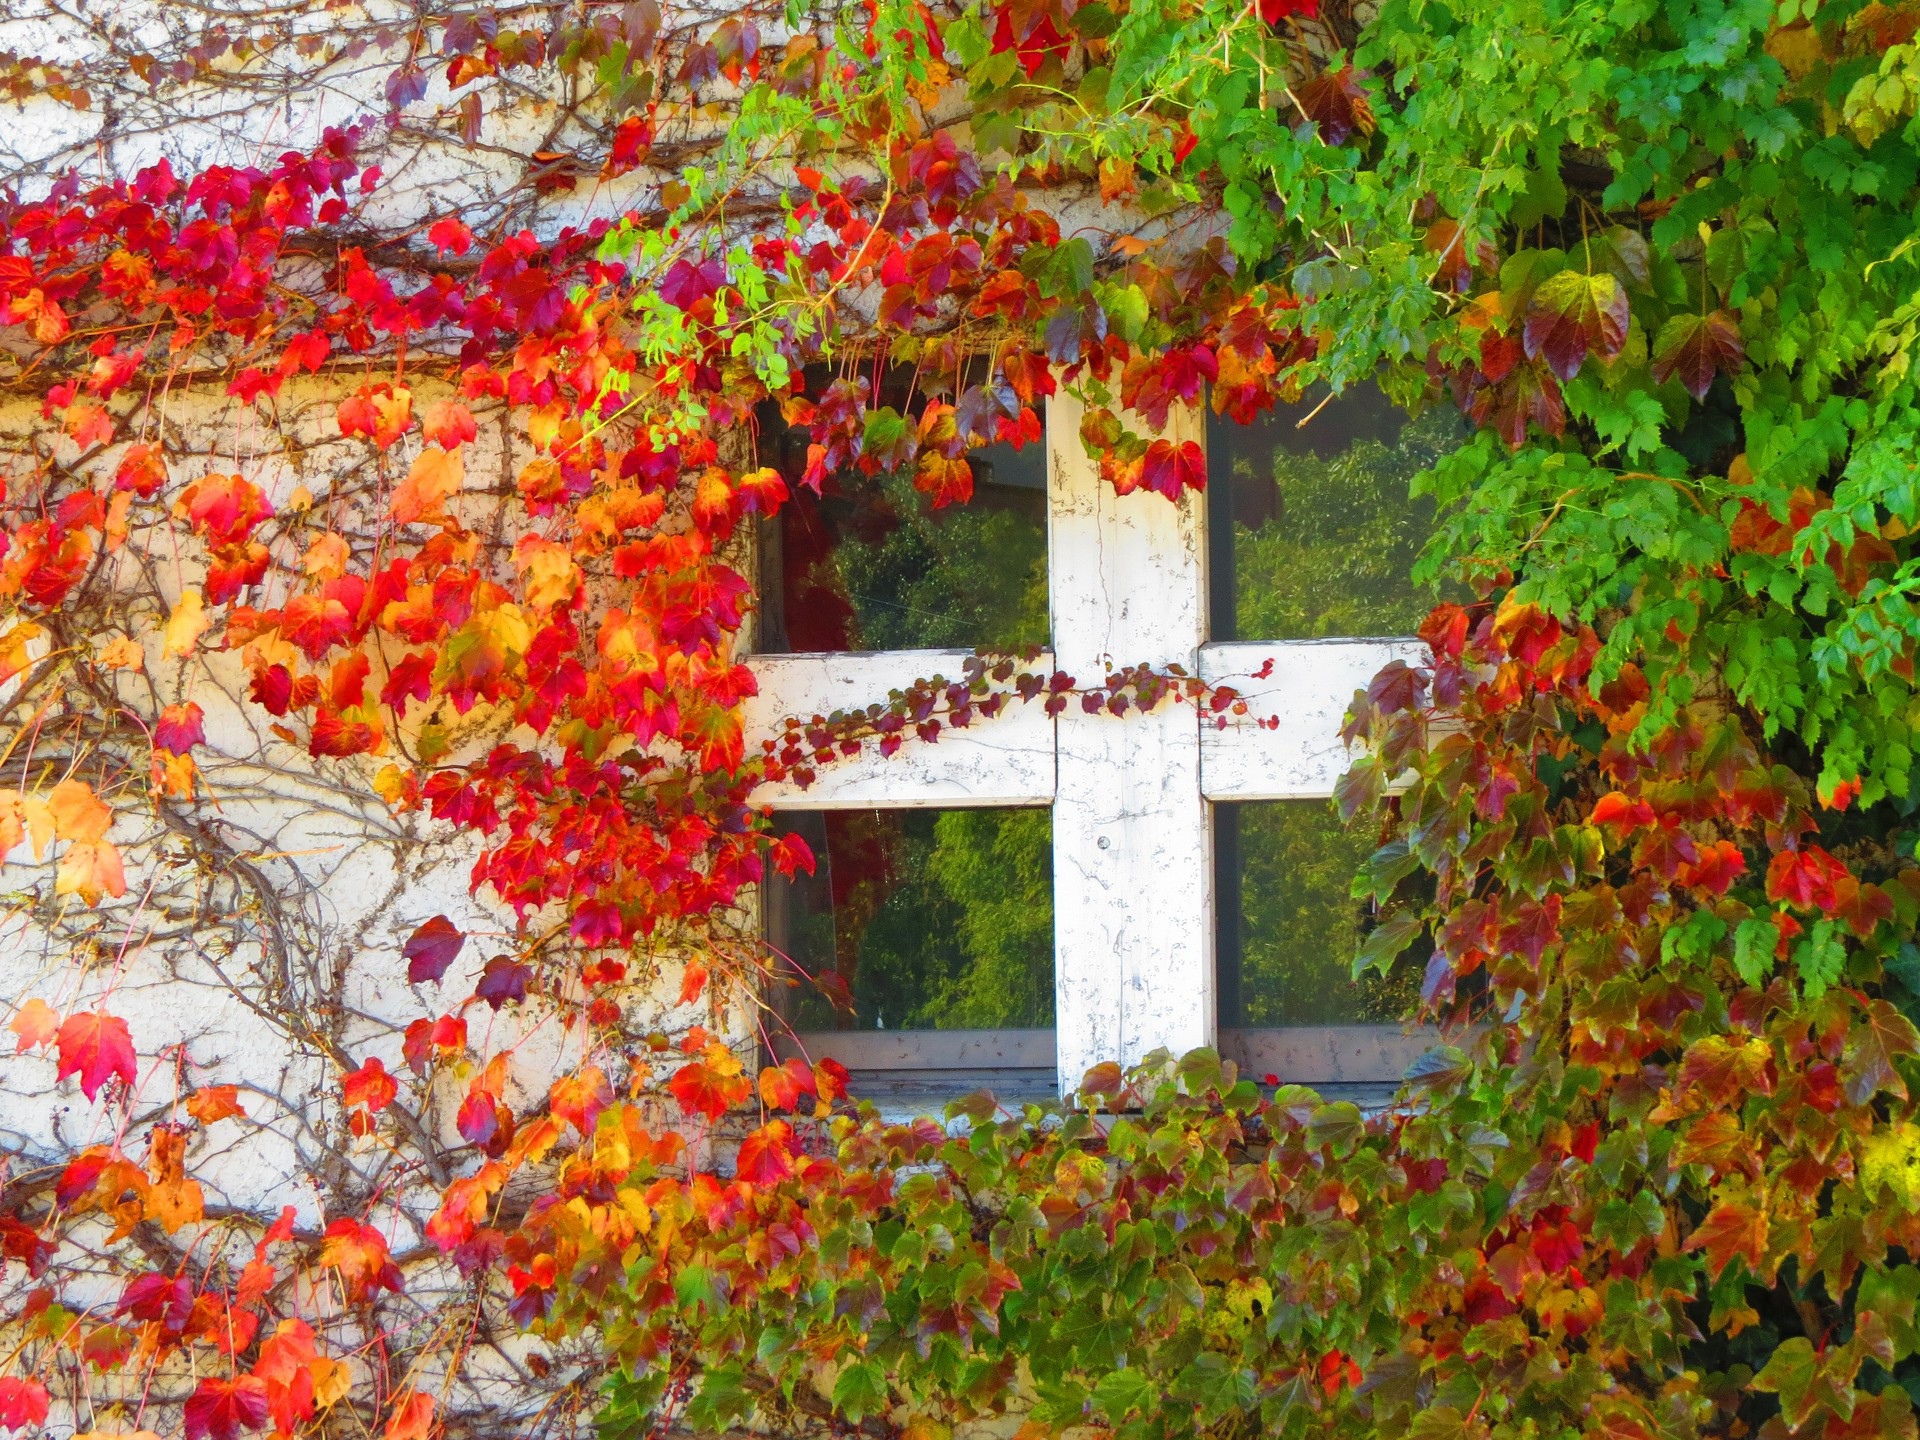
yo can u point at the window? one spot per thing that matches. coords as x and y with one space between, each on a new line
1185 861
868 564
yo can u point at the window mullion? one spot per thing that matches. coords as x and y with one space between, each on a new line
1133 869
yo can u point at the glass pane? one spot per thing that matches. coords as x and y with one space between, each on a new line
1288 926
1313 533
869 565
918 920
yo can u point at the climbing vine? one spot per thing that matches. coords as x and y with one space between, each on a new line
437 512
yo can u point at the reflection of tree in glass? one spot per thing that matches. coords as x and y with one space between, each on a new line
1337 558
1299 926
945 923
972 575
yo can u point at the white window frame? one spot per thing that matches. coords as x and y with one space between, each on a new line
1133 867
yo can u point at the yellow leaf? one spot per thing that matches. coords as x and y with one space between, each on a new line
543 424
186 625
436 474
174 1203
14 656
89 869
391 784
121 653
326 557
550 574
331 1381
39 818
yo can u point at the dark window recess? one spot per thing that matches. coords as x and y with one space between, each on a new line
1311 528
915 920
1289 927
868 564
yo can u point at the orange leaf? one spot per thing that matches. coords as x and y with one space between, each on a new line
370 1086
35 1023
412 1417
1733 1227
174 1203
78 814
215 1102
90 869
436 475
448 423
359 1253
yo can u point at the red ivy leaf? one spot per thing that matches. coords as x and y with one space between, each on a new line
432 948
97 1046
180 728
370 1086
23 1403
1572 315
221 1409
710 1086
1334 101
1696 348
781 1087
503 980
766 1155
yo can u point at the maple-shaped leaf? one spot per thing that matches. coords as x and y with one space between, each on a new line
1336 103
359 1253
222 1409
226 509
382 412
766 1154
1722 1069
96 1046
433 946
1695 348
174 1203
215 1102
1734 1227
1874 1043
78 814
91 869
502 980
579 1099
783 1086
942 480
711 1085
435 476
370 1086
412 1417
831 1079
716 733
1573 315
1526 393
1807 877
23 1403
180 728
35 1022
450 235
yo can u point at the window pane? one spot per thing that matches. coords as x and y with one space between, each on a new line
869 565
918 920
1313 533
1288 926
